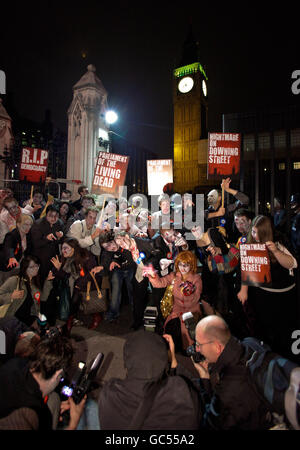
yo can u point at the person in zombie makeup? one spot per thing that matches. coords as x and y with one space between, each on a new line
16 243
187 288
216 215
242 223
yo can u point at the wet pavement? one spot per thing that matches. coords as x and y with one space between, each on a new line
109 339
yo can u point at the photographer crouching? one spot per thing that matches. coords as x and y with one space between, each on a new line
27 383
231 401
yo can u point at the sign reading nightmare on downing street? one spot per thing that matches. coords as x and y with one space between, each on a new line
223 155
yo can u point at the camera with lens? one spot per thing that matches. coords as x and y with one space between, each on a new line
190 324
150 318
82 379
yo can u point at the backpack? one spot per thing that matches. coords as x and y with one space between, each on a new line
269 372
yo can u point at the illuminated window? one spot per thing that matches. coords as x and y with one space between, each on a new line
281 166
295 138
263 141
297 165
279 140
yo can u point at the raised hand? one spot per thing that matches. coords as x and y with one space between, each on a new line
12 262
56 262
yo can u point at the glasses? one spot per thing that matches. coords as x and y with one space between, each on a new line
204 343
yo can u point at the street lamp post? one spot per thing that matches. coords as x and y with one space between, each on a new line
104 139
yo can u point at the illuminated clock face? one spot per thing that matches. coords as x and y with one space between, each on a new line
204 88
186 84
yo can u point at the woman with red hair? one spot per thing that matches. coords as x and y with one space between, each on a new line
187 288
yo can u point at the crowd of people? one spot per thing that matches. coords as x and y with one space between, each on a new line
57 251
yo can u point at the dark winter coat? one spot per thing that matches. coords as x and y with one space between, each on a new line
12 248
176 405
233 402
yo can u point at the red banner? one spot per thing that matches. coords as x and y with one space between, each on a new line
255 265
223 155
34 164
110 173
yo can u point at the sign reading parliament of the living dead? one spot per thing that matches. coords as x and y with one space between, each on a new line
255 265
223 154
34 163
159 173
110 173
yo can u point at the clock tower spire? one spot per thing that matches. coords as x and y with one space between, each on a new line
190 105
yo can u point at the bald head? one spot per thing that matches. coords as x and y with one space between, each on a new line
214 328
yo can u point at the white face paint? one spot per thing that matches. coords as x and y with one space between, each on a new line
111 246
184 268
242 224
212 197
67 250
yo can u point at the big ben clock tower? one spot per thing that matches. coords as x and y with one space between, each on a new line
190 104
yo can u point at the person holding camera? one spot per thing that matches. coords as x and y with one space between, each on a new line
26 384
231 399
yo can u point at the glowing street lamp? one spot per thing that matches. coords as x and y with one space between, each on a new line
111 117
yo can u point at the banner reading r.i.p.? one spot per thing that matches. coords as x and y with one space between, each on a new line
34 164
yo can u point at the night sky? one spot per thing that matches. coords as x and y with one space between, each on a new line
248 55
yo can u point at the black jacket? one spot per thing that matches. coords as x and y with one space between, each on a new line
12 248
19 389
176 406
121 256
232 399
41 246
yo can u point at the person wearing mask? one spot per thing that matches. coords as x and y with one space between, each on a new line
16 243
46 235
25 293
216 215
